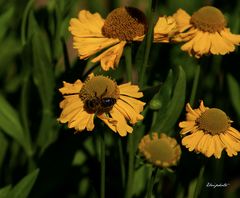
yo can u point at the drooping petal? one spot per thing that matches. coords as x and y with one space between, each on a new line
234 38
164 29
111 57
121 126
183 20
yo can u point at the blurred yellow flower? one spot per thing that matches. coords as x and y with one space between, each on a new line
205 32
162 151
92 34
208 131
100 96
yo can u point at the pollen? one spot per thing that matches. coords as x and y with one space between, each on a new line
98 90
209 19
125 23
213 121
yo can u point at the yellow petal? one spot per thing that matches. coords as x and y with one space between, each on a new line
202 142
191 141
208 148
111 123
111 57
219 45
137 105
88 46
69 88
234 132
130 90
202 43
128 112
234 38
87 25
165 28
70 111
122 127
228 144
183 20
219 146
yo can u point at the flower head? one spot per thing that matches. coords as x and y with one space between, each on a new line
161 151
208 131
205 32
100 96
92 34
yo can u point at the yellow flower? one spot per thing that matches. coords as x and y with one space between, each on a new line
100 96
208 131
92 34
205 32
161 151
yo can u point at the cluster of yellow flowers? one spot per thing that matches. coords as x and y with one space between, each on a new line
119 107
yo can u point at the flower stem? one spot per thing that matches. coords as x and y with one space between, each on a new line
122 164
102 142
199 182
195 85
148 47
128 57
151 182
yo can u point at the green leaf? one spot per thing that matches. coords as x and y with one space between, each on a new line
5 19
4 192
4 146
25 20
172 98
43 75
10 123
234 92
23 187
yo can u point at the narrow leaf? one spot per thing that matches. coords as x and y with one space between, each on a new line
23 187
234 92
10 123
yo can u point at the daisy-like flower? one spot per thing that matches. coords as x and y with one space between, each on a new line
92 34
208 131
162 151
116 105
205 32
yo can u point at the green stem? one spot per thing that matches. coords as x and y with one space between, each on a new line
130 166
195 85
102 142
148 47
151 182
199 182
122 164
128 58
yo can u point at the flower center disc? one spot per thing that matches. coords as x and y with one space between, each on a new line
213 121
125 23
99 94
160 150
208 19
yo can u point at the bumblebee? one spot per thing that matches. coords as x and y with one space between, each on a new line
99 105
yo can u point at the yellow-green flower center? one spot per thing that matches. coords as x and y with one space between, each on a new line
160 150
99 94
125 23
208 19
213 121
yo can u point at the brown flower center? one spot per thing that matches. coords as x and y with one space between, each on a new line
125 23
99 94
208 19
213 121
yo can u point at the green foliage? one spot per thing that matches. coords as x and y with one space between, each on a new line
37 55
